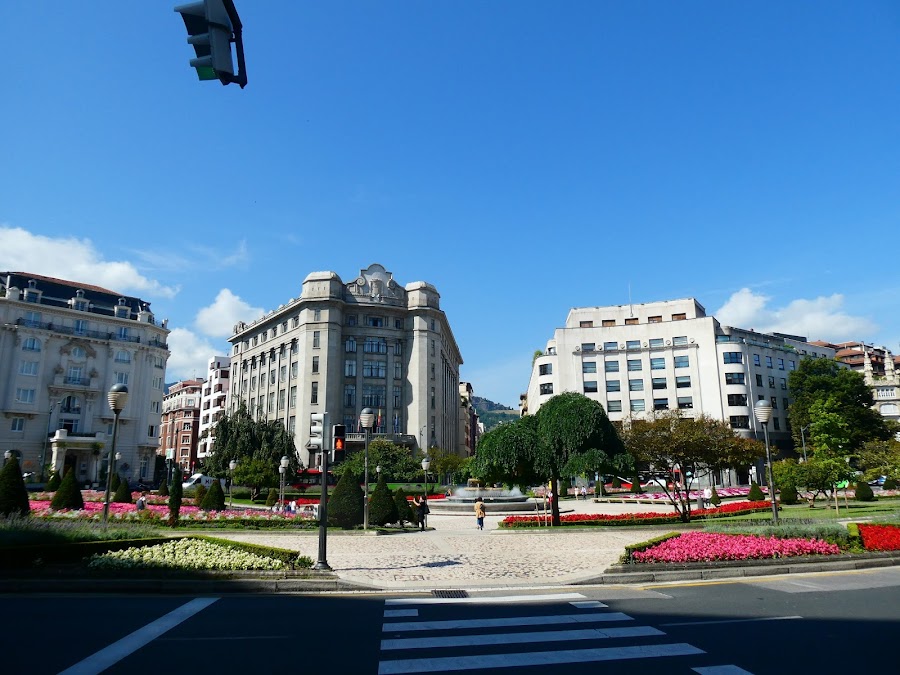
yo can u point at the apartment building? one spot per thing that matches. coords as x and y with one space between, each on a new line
345 346
213 403
179 428
63 344
639 358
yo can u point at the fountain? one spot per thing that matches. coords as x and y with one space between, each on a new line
496 500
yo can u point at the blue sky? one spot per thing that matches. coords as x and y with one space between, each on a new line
524 157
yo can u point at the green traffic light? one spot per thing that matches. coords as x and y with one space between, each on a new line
206 73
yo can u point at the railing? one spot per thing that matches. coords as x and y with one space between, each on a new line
96 334
80 381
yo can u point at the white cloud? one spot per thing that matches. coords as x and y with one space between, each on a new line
190 355
74 260
227 309
821 318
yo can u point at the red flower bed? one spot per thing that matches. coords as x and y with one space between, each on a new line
732 509
880 537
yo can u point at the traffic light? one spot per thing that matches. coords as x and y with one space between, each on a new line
212 26
339 434
316 432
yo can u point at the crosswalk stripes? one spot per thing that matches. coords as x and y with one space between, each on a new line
475 641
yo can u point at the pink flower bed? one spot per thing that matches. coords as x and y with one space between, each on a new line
709 547
94 511
692 495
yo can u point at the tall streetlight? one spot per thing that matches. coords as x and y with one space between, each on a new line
282 469
763 411
425 464
117 397
366 419
231 466
47 439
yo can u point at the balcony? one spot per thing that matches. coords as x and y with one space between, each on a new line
77 381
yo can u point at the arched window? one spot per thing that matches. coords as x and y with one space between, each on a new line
31 345
71 405
78 353
123 356
889 409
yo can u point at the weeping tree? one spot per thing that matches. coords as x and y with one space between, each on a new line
507 453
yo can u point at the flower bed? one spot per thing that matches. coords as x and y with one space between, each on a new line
185 554
880 537
709 547
597 519
692 495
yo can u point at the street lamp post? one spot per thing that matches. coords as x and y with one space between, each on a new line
425 464
282 469
6 456
47 439
763 411
231 466
366 419
117 397
803 440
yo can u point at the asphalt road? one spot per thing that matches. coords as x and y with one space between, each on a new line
802 623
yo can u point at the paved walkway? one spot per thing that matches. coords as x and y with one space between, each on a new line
455 554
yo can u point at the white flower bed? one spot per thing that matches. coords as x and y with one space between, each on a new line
184 554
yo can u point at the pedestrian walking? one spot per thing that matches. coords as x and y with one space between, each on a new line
707 497
479 513
584 492
421 511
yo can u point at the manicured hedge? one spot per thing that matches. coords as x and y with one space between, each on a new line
16 557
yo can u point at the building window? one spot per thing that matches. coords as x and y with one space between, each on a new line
656 343
351 319
734 378
780 364
28 368
679 317
613 385
682 362
771 382
314 393
350 368
545 389
79 353
432 371
31 345
349 395
658 383
739 421
614 406
759 380
680 341
253 383
791 365
292 424
350 345
375 346
373 396
737 399
685 402
782 382
123 357
654 319
785 403
154 406
121 378
611 366
151 431
776 424
292 397
374 369
398 370
316 338
317 315
635 385
272 376
610 345
81 327
433 401
631 322
660 404
774 400
637 405
545 369
157 382
585 324
588 346
282 373
608 323
295 321
657 364
756 361
398 348
398 324
682 381
18 424
732 357
432 347
588 367
398 400
375 321
632 345
315 364
768 362
634 365
295 347
294 369
590 386
281 398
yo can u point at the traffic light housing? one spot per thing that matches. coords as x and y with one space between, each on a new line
316 432
212 26
339 434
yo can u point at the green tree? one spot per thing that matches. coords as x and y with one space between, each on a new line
714 498
756 493
507 454
256 474
13 493
788 494
199 493
68 496
214 500
786 473
123 494
396 461
176 492
163 489
272 497
818 380
820 475
382 509
879 458
114 482
829 431
404 510
444 464
864 492
345 506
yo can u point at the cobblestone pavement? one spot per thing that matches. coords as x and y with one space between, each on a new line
455 554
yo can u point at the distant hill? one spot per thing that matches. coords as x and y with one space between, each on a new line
492 414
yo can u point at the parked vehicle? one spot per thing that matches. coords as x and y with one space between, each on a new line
200 479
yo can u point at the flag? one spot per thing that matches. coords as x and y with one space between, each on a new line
380 421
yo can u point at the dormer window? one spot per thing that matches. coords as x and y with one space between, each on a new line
78 302
122 309
32 294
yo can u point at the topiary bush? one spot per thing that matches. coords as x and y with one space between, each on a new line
13 493
616 483
889 484
864 492
53 483
214 500
404 511
199 493
123 494
756 494
382 509
714 498
272 499
175 495
636 485
163 489
114 482
68 496
345 507
788 495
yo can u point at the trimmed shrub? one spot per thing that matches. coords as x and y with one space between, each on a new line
214 500
13 493
272 499
636 485
68 496
345 507
404 511
53 483
114 482
864 492
163 489
616 483
382 509
714 497
789 495
175 496
199 493
756 494
889 484
240 492
123 493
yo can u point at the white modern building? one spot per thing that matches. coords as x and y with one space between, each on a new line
345 346
638 358
179 428
213 403
63 344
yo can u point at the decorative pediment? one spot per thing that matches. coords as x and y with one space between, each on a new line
376 284
86 346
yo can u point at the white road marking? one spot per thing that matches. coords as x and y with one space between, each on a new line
487 600
580 656
517 638
588 604
721 670
100 661
709 623
392 613
502 622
